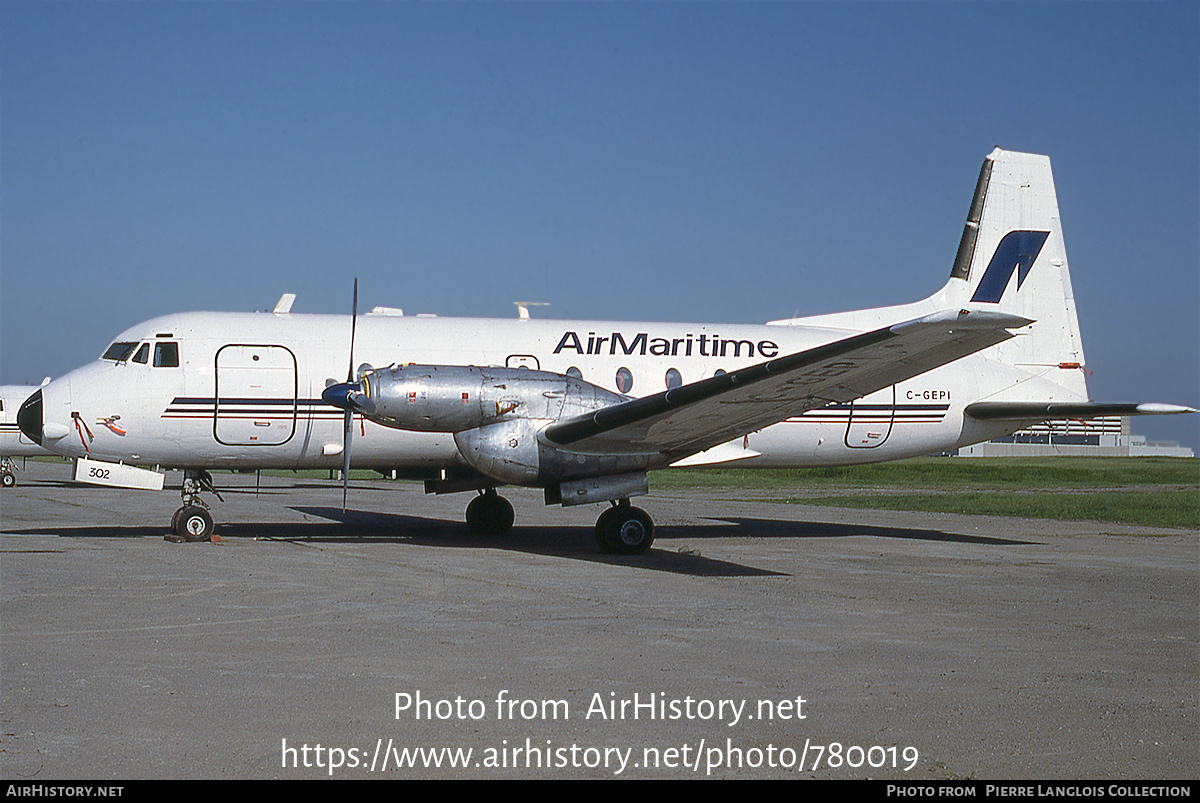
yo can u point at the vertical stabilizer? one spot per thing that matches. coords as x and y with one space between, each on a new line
1012 259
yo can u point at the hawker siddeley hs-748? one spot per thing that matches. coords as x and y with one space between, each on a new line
585 409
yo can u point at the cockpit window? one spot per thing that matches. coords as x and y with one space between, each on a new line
166 355
119 352
143 354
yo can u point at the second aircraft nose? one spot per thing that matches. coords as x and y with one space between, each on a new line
29 418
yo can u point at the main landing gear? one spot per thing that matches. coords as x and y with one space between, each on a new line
620 530
490 514
624 529
193 522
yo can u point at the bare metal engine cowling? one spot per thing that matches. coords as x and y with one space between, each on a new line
495 415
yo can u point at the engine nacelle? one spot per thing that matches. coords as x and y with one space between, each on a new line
512 452
455 398
495 414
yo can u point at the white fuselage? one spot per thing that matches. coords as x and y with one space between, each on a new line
246 392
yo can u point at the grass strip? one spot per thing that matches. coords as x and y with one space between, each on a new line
1155 492
945 472
1153 508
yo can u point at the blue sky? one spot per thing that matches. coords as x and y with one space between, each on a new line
728 162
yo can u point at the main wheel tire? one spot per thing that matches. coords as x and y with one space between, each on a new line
624 530
604 531
7 479
193 523
490 514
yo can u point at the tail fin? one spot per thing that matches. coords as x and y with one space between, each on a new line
1012 259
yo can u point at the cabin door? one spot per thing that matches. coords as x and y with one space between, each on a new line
871 419
255 395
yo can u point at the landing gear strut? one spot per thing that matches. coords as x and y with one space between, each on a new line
624 529
193 522
490 514
8 473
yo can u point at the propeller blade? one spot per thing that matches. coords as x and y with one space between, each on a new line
353 326
348 427
347 438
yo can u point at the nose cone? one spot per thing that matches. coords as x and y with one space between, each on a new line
29 418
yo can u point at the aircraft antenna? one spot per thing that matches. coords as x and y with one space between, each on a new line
523 308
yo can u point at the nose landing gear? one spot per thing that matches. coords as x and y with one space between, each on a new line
8 472
193 522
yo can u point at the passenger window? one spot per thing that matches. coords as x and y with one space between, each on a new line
624 380
143 354
166 355
674 380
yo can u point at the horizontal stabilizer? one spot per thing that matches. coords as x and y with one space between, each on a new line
1041 411
695 417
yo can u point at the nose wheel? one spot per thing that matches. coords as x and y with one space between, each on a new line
8 472
624 530
193 522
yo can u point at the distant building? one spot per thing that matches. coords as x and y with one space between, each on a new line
1099 437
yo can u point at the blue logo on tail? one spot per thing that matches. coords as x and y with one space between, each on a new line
1017 251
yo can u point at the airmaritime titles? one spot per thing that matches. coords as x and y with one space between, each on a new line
704 345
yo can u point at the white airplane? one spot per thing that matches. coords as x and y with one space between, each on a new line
13 442
584 409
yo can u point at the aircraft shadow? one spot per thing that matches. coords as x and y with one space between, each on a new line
571 542
782 528
91 531
576 543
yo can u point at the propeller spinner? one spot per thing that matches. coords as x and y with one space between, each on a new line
348 396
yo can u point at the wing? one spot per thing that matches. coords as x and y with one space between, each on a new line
695 417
